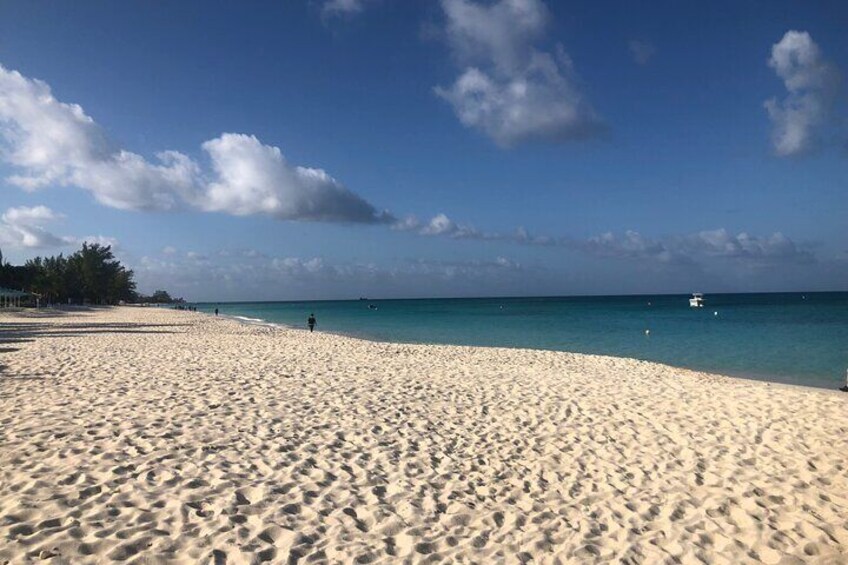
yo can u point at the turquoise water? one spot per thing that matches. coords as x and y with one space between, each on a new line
791 338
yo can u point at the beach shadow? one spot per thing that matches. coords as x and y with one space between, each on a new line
56 311
25 377
83 333
12 333
49 312
16 333
41 314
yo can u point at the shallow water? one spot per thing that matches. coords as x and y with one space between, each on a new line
791 338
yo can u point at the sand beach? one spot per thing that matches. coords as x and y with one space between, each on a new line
155 436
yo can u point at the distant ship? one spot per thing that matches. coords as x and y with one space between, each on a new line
697 300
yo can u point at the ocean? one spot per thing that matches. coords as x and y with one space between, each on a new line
795 338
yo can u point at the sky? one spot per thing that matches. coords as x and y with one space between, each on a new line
330 149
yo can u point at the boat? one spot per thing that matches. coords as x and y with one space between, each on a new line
697 300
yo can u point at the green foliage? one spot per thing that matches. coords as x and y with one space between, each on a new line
91 275
159 297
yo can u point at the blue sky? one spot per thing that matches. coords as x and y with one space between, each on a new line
433 148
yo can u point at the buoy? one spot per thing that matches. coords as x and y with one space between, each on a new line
715 313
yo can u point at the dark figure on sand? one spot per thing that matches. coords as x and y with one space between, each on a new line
216 311
311 322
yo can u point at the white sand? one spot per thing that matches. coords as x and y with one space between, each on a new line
153 436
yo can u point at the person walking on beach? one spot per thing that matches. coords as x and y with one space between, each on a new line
311 322
216 311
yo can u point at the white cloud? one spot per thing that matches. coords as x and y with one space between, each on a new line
524 237
252 178
44 137
630 245
755 251
690 249
501 32
128 181
243 252
36 215
267 278
507 263
53 143
508 89
811 83
27 227
293 266
641 51
441 225
407 223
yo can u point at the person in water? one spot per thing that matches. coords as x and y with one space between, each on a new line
311 322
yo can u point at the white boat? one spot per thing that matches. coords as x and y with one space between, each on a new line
697 300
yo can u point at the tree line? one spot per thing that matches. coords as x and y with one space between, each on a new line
91 275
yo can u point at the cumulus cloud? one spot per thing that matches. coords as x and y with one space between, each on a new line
407 223
27 227
439 225
50 142
811 83
629 245
442 225
641 51
42 136
34 216
252 178
509 89
501 32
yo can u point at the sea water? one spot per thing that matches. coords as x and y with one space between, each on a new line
797 338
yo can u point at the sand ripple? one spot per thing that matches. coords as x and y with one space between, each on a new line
159 436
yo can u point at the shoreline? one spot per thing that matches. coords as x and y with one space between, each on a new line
744 377
135 433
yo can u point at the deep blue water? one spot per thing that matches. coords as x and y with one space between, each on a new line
792 338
